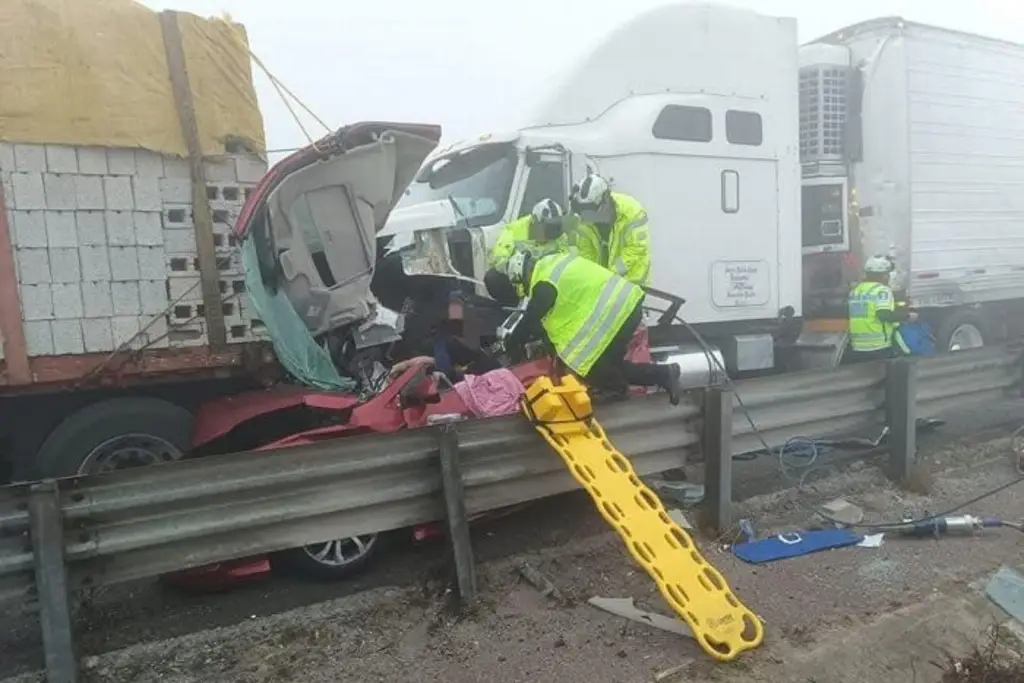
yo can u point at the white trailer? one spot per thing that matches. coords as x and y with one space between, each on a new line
912 145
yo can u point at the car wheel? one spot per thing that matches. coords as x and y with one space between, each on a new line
330 560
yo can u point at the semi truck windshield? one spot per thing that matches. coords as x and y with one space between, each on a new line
478 180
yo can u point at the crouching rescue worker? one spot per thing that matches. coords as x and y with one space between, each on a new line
874 315
588 314
612 230
540 233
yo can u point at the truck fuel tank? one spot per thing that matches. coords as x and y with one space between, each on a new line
697 367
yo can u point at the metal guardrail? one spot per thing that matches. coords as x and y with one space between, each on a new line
810 404
823 402
144 522
956 379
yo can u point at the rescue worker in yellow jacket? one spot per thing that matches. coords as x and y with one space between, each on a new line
612 230
540 232
874 316
588 315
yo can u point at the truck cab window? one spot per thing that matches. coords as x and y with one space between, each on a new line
743 128
477 179
678 122
545 181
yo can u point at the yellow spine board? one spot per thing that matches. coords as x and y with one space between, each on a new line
698 593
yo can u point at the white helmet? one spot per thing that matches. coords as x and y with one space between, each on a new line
515 266
547 211
590 192
878 264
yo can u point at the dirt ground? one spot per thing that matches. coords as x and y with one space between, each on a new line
898 612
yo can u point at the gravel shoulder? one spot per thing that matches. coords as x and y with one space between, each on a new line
847 615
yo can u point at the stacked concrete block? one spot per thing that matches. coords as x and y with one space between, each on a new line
226 194
105 249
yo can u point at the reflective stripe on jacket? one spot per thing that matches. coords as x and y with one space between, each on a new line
628 250
591 307
867 332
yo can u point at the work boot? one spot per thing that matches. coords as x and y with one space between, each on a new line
671 385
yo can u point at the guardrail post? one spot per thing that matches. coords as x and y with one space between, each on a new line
458 521
46 530
717 445
901 417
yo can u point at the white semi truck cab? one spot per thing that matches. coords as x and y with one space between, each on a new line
691 109
769 172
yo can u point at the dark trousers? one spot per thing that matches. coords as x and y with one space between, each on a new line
613 372
501 288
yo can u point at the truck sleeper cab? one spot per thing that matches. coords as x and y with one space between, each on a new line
706 145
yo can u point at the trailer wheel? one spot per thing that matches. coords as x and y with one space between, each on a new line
332 560
115 434
961 331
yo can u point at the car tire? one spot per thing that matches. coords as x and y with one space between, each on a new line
154 430
303 563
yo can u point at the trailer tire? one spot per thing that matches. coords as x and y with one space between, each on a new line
960 328
112 434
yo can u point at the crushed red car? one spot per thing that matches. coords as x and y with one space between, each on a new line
318 274
342 311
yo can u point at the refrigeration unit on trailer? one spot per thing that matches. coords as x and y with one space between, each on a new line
691 109
912 146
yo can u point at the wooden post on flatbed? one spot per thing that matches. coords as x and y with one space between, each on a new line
12 334
201 214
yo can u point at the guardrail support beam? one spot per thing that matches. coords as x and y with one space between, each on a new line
47 533
717 446
901 417
458 521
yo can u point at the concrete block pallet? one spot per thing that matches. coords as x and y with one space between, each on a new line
104 246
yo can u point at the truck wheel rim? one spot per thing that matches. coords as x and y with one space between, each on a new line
341 551
129 450
964 337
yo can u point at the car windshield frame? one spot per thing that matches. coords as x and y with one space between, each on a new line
478 180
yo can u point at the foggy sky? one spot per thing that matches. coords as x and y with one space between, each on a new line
467 63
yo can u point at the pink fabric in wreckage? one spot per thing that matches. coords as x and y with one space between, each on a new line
498 392
491 394
639 350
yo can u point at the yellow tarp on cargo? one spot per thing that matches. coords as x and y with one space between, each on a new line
94 72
